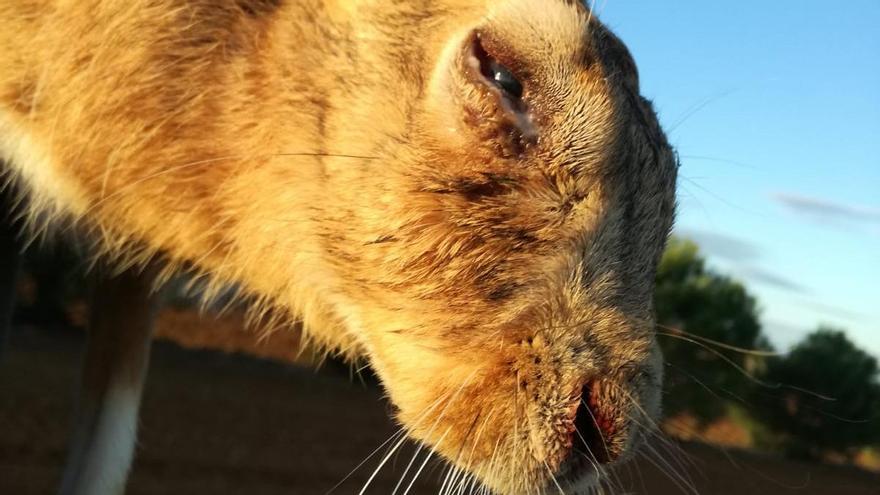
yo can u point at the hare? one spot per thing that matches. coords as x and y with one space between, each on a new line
471 195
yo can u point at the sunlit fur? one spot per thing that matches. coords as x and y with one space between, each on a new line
338 162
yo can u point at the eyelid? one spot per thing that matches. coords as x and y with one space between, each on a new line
504 54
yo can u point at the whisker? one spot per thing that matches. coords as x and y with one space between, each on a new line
446 478
425 462
751 377
439 417
462 446
705 386
670 472
177 168
601 436
654 427
719 160
683 464
645 456
405 471
718 197
419 448
400 431
329 155
678 332
381 464
680 470
553 477
589 456
474 444
696 108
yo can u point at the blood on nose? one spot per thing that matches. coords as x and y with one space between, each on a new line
595 431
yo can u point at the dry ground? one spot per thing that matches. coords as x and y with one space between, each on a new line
217 424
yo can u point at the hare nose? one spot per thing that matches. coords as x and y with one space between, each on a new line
595 430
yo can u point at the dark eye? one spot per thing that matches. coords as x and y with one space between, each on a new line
496 73
504 79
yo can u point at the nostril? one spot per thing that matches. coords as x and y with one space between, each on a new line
594 430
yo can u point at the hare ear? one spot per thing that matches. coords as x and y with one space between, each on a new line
484 94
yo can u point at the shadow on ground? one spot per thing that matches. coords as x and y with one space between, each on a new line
221 424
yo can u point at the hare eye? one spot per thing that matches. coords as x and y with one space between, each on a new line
496 73
504 79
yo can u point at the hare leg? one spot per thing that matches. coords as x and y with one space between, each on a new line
122 316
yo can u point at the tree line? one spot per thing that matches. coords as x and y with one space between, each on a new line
821 396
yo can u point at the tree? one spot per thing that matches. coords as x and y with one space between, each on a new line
692 304
828 398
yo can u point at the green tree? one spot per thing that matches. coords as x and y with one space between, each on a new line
693 304
828 398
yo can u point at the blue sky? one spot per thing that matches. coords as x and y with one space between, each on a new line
774 108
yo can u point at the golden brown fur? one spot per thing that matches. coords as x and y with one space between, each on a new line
340 161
